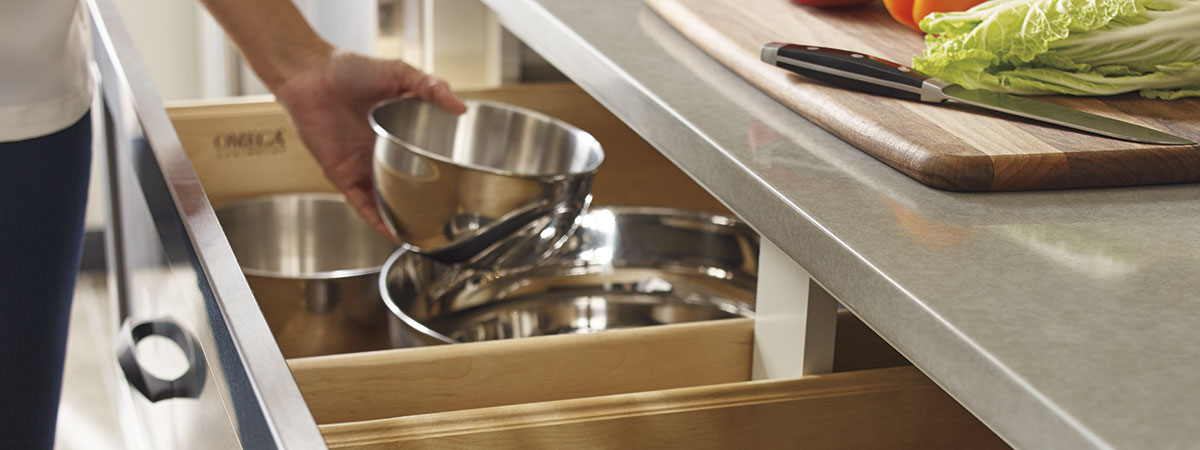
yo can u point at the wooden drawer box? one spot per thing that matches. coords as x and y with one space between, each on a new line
675 386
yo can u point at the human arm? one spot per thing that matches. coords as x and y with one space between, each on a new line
327 91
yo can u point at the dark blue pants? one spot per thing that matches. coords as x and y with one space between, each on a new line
43 192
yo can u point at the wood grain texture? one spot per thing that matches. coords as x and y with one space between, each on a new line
375 385
943 146
405 382
245 149
894 408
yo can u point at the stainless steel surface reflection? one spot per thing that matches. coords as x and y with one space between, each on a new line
623 267
167 257
498 186
313 265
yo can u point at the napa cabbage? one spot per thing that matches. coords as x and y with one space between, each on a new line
1076 47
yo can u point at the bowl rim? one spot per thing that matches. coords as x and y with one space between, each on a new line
386 296
381 132
316 275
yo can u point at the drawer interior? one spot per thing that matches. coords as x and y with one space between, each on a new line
248 148
681 386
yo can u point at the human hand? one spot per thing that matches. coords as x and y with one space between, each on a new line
329 102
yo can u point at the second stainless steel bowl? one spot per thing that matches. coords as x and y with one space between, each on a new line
623 267
313 265
498 186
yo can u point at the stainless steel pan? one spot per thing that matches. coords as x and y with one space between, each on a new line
623 267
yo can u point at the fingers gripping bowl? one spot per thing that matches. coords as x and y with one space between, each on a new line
498 186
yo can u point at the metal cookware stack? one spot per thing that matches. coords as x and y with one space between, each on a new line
500 242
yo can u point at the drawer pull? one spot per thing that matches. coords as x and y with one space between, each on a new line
187 385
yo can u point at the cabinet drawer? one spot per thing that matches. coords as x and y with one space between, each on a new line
679 386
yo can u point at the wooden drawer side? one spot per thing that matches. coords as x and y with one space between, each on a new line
363 386
401 382
884 408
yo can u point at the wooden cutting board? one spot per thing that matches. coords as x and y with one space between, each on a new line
947 147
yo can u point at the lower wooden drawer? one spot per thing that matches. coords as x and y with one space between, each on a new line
883 408
676 386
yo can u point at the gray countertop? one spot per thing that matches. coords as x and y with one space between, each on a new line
1062 319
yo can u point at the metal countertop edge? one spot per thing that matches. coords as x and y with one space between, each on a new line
291 423
1026 421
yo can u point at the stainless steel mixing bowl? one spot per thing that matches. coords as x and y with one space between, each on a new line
498 186
313 266
623 267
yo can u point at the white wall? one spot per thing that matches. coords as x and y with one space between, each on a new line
170 38
166 34
462 43
184 52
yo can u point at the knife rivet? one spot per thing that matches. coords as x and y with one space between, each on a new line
856 55
812 48
903 69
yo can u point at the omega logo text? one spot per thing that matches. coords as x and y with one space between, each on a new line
249 143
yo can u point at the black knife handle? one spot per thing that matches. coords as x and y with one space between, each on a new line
845 69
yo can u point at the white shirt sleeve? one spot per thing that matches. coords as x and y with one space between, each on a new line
45 54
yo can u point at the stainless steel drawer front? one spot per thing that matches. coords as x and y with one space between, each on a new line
171 265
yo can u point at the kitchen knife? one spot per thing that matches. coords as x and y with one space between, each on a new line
877 76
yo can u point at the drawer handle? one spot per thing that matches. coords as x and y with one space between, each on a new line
187 385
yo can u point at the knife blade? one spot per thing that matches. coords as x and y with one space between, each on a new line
878 76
